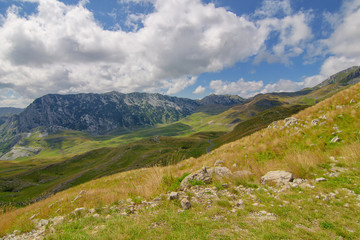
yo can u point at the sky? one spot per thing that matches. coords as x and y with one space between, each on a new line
184 48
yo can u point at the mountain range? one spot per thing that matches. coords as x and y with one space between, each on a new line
114 112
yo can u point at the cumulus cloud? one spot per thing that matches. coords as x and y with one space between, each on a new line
241 87
342 45
199 90
63 49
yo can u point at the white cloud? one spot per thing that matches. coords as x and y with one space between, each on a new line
63 49
294 36
283 86
271 8
199 90
343 44
241 87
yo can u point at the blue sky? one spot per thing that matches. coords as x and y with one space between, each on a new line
185 48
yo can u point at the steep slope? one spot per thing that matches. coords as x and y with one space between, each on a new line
319 146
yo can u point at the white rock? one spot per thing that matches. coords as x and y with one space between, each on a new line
79 209
279 177
185 204
322 179
219 163
173 196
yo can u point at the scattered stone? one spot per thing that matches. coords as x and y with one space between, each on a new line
219 163
225 185
220 171
202 175
185 204
108 216
279 177
290 121
299 180
322 179
173 196
57 220
92 210
96 215
240 203
43 222
335 139
79 209
315 122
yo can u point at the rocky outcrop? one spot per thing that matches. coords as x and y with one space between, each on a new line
205 175
278 177
17 152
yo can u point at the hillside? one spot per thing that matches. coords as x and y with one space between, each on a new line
48 163
319 146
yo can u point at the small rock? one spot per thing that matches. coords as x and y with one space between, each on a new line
43 222
79 209
315 122
299 180
352 101
322 179
185 204
108 217
57 220
335 139
96 215
240 203
290 121
173 196
219 163
225 185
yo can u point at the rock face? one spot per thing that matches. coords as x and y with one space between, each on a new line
279 177
101 113
17 152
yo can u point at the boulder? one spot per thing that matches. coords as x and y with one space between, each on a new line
315 122
220 171
290 121
185 204
202 175
279 177
173 196
219 163
205 175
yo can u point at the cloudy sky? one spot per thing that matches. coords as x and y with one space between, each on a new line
185 48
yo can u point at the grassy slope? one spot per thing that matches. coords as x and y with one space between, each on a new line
303 149
209 123
42 181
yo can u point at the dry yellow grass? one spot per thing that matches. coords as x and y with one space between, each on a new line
259 153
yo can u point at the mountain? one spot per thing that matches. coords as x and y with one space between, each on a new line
102 113
6 112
